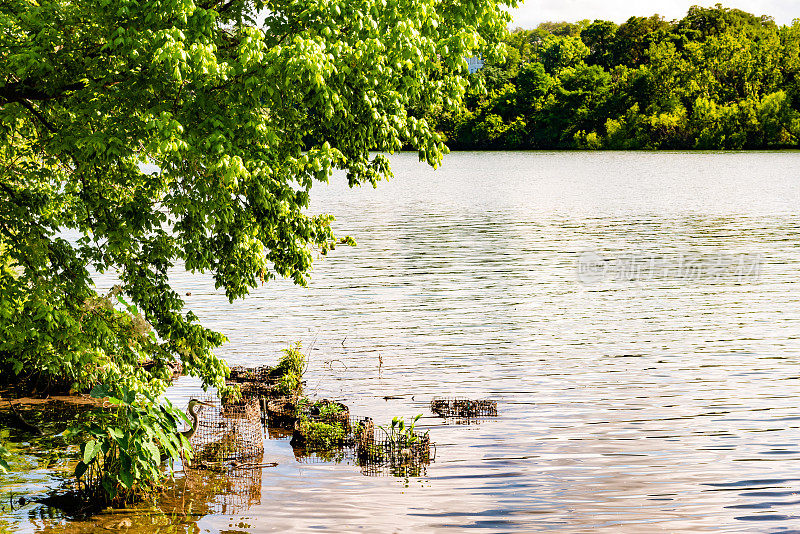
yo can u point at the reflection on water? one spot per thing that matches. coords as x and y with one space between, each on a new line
657 396
233 491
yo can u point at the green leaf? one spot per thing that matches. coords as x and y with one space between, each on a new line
80 469
110 488
91 448
125 475
100 391
155 454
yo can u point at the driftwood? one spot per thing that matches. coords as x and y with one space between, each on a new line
19 422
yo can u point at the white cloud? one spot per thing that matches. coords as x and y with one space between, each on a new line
531 13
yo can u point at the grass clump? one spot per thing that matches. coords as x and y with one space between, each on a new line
329 410
290 370
318 435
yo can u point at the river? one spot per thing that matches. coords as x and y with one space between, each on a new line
635 315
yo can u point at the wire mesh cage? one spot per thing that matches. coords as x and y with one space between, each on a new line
253 380
460 407
228 432
381 454
317 432
242 375
321 438
328 409
280 410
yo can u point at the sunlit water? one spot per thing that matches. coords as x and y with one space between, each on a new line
635 315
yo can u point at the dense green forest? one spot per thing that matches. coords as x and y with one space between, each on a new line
717 79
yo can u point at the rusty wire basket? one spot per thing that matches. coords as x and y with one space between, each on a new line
319 432
459 407
228 432
280 410
250 375
362 443
380 454
255 381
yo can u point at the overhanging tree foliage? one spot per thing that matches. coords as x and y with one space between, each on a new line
241 106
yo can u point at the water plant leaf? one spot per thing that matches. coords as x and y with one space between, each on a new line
155 454
80 469
100 391
90 450
109 486
125 475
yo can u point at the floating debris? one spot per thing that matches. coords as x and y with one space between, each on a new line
463 408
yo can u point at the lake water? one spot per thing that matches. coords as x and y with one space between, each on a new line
635 315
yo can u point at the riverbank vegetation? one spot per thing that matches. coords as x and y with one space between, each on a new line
138 137
717 79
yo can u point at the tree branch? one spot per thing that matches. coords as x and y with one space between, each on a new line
47 124
17 92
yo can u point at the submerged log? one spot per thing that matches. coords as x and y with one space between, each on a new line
17 421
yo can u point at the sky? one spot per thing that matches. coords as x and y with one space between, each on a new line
533 12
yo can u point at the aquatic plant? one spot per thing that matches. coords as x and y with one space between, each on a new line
285 378
323 425
318 434
290 369
121 459
303 405
403 434
329 410
400 450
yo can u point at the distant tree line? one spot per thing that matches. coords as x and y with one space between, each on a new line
717 79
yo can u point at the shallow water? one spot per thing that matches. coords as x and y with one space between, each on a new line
635 315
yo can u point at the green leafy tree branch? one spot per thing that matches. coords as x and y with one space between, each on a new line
242 107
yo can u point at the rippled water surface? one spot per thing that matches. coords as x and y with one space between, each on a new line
635 315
